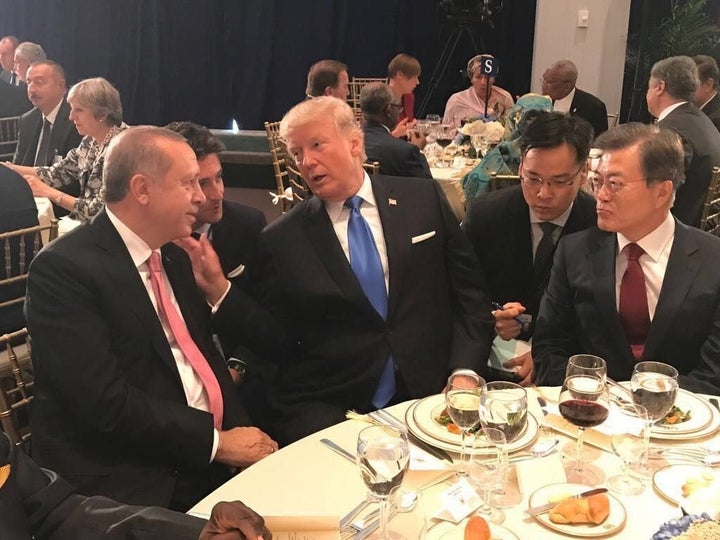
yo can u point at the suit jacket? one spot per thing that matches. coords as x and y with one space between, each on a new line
37 503
498 227
396 157
579 313
701 141
63 139
110 413
337 344
712 110
6 76
17 211
591 109
13 100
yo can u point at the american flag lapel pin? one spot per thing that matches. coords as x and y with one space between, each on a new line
392 202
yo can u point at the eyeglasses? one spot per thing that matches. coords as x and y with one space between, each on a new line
613 186
559 181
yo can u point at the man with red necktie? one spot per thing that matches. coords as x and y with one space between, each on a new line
133 401
641 286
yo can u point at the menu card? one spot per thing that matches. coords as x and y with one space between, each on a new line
303 527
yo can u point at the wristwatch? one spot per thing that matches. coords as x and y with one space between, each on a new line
238 365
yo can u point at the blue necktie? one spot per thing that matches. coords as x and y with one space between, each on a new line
365 262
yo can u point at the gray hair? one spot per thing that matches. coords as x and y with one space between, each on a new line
374 99
680 75
135 151
661 152
100 97
32 52
567 70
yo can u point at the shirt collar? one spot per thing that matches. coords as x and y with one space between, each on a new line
53 114
560 221
564 104
656 241
203 229
335 208
671 108
136 246
708 101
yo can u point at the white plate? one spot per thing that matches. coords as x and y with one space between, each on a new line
457 532
668 481
528 437
711 428
613 523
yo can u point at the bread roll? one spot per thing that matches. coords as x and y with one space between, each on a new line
593 509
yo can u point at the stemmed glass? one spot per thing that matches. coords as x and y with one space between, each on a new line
584 402
480 144
383 455
462 400
654 385
488 474
628 445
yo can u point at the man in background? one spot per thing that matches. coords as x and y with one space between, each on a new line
328 78
706 95
7 59
26 54
559 82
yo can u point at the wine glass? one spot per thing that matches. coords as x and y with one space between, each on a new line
480 144
654 385
462 400
488 474
445 134
628 445
383 455
584 402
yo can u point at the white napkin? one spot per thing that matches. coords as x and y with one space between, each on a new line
532 474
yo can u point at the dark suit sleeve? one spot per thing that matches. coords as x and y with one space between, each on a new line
705 376
555 328
473 324
77 365
415 163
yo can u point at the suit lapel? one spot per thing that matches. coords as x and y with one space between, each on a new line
683 264
521 246
35 128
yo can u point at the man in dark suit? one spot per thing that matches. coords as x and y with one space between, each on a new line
559 82
641 287
37 503
378 289
17 211
707 98
381 112
133 400
47 94
7 59
507 227
13 100
671 90
328 78
234 232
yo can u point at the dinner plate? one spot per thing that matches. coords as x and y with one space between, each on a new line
528 437
711 428
669 480
702 415
430 408
613 523
457 532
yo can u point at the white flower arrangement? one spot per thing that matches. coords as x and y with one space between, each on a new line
492 131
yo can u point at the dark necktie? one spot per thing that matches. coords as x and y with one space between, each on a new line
544 255
41 158
634 312
365 262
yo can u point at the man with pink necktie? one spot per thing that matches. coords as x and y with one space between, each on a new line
133 400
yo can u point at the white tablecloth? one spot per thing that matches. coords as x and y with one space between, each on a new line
306 478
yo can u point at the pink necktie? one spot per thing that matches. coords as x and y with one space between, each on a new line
634 312
184 340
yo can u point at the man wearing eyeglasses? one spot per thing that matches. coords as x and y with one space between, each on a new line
641 286
514 230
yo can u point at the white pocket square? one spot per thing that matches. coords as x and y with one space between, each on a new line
422 237
235 273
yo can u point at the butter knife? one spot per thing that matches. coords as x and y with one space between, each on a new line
537 510
543 405
338 449
387 418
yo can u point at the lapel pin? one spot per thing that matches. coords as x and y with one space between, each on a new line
392 202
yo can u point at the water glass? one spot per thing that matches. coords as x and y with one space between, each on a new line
488 474
462 400
628 445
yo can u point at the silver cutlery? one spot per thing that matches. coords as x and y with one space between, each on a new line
536 510
385 417
338 449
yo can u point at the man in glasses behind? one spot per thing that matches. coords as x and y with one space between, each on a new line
641 287
514 230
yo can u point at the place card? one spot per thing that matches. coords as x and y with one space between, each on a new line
303 527
532 474
420 460
458 502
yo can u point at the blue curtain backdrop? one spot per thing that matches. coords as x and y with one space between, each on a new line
214 60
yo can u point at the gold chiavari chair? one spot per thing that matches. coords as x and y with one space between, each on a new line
287 177
613 119
372 167
356 85
9 129
710 217
16 386
499 181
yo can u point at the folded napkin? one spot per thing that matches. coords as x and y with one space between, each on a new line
591 437
291 527
532 474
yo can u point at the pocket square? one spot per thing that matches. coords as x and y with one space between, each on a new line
422 237
235 273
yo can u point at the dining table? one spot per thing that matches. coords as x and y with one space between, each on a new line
450 180
307 479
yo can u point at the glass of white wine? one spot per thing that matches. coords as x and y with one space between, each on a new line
462 400
383 455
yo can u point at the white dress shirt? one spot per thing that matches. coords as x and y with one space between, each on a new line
536 232
52 115
563 105
195 393
340 215
668 110
657 246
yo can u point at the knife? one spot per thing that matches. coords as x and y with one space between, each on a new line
536 510
543 405
338 449
387 418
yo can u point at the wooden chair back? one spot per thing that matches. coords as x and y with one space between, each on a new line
16 386
613 119
9 130
356 85
372 167
500 181
710 217
291 188
17 249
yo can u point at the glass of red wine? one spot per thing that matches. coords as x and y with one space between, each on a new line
584 402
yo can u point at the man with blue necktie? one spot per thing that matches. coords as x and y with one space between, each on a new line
378 290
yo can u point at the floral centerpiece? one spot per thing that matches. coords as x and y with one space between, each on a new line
493 131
